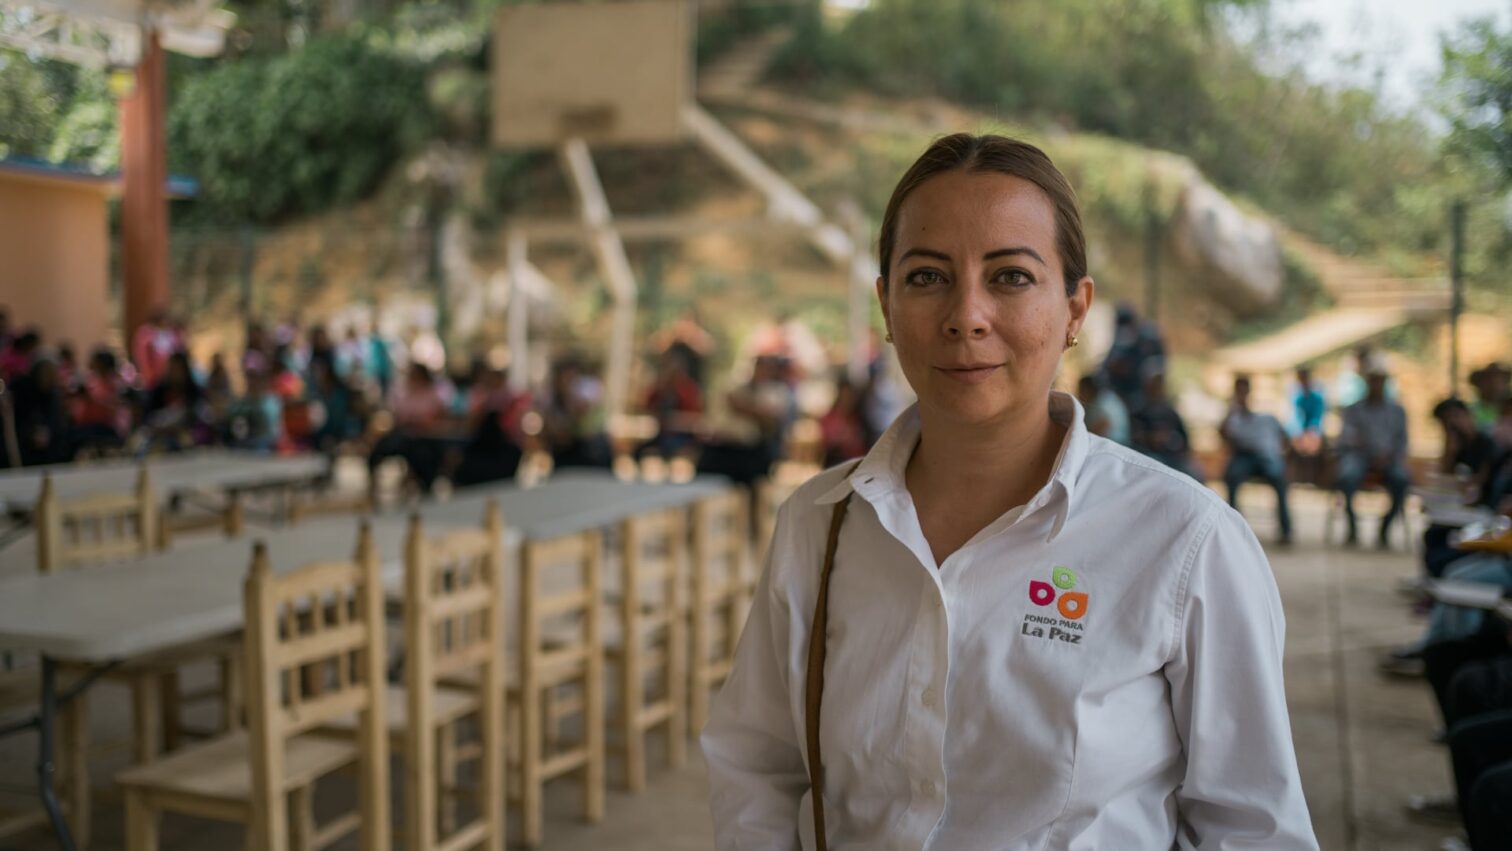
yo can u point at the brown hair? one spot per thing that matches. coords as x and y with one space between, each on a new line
990 153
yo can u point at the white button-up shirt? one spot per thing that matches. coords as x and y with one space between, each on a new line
1099 668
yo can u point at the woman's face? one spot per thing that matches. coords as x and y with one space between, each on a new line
976 300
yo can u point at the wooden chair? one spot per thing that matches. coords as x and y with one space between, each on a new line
305 505
98 528
560 647
722 587
653 639
320 623
95 528
453 632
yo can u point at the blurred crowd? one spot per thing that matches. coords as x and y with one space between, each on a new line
306 389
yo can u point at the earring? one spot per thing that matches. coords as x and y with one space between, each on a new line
1071 341
889 337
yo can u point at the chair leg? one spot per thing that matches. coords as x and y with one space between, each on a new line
170 709
141 823
76 754
231 691
446 801
144 719
532 801
302 827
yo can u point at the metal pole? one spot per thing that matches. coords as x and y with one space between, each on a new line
1151 255
857 278
1457 284
519 323
46 725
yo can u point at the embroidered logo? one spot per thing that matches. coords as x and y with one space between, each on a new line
1070 604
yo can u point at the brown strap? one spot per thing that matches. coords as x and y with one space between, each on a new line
814 691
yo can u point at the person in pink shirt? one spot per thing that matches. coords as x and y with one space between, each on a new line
153 343
101 417
419 415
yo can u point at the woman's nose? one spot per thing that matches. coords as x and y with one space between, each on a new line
968 316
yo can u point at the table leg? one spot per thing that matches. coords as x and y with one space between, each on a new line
46 730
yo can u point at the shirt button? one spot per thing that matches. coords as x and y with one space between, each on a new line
927 788
929 697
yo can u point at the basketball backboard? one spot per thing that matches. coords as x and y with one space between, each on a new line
615 73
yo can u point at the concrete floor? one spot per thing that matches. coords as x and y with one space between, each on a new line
1363 740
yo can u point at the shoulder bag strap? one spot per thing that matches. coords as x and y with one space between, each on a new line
814 689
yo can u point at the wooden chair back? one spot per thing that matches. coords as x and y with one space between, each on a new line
453 627
560 644
654 640
722 586
315 652
95 528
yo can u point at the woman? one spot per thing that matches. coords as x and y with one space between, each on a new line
1035 638
176 416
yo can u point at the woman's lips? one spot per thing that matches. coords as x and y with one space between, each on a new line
969 375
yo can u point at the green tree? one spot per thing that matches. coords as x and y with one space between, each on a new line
1477 87
278 135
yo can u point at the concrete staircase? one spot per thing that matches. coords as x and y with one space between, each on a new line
1368 300
741 67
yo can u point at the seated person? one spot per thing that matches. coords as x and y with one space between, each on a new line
1158 431
1105 412
1308 443
1373 441
1257 447
101 414
764 410
677 404
176 416
43 430
572 417
335 408
843 427
492 451
257 418
420 416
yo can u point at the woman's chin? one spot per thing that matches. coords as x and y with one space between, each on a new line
971 408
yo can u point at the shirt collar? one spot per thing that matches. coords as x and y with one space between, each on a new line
882 470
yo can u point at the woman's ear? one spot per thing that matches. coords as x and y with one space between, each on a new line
1081 302
882 300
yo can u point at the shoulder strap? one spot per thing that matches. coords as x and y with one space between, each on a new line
813 694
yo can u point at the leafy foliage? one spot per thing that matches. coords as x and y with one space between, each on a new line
1477 82
33 99
1164 73
298 132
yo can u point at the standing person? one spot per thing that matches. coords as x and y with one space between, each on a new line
1157 429
1023 636
1257 447
153 343
1373 441
1136 352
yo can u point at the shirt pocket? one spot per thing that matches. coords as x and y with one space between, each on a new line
1014 722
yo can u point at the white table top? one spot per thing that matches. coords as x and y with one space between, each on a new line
213 469
137 606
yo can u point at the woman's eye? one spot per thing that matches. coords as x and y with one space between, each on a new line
925 277
1014 277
